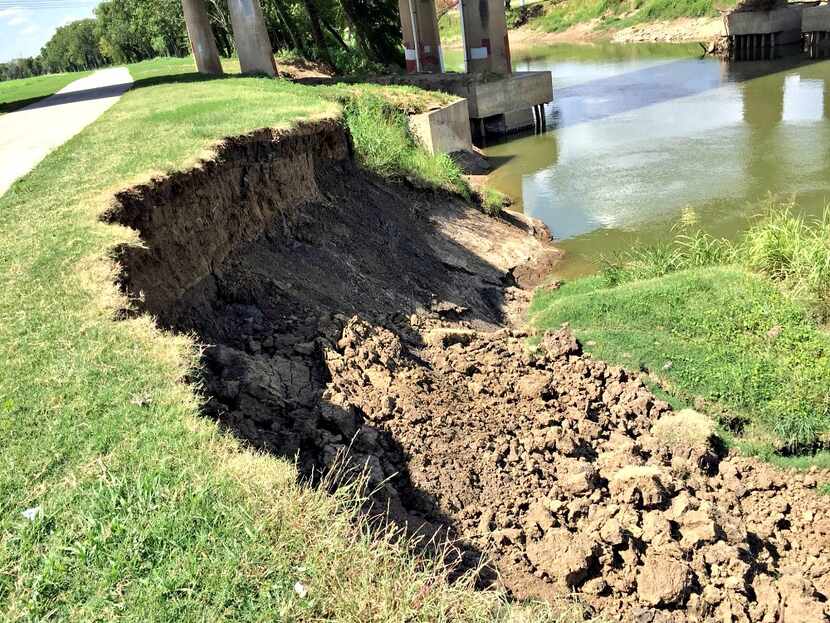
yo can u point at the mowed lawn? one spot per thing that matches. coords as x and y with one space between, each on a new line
138 508
15 94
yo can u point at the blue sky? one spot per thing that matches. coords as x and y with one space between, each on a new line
27 25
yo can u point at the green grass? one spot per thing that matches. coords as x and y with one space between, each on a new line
703 333
740 323
449 28
149 513
15 94
492 201
560 16
384 145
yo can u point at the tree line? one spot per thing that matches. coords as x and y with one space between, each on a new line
344 34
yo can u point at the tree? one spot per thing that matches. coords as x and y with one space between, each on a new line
20 68
377 28
73 47
133 30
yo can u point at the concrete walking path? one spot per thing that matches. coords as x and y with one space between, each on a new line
28 134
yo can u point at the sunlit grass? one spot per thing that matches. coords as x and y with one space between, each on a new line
146 511
15 94
736 325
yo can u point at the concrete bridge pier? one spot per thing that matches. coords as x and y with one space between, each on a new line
421 39
201 37
815 24
251 38
484 31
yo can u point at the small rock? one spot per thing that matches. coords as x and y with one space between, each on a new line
646 486
300 589
533 385
559 343
697 527
563 556
444 338
663 581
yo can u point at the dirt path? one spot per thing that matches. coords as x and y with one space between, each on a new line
28 134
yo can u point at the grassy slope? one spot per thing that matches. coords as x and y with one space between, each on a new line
16 94
712 324
148 513
562 15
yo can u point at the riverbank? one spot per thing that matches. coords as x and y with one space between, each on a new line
586 21
120 499
680 30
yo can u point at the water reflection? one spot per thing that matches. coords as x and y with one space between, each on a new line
637 139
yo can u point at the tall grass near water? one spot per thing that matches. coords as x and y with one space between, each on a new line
789 248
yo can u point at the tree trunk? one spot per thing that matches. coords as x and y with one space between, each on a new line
333 32
317 30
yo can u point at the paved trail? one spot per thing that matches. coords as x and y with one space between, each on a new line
28 134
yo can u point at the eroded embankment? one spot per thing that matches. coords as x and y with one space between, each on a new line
344 311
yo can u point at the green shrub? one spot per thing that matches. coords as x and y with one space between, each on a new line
384 144
492 201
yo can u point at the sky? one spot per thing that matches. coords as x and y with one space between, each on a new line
25 25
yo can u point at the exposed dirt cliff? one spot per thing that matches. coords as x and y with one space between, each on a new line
344 314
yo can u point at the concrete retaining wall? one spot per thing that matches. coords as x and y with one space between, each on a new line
443 130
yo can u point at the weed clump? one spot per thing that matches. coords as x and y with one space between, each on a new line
384 144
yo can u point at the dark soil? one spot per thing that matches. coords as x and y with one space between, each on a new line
348 316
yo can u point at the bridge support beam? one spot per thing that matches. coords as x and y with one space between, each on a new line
484 29
251 38
421 41
201 38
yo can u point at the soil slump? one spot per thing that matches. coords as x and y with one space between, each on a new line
343 313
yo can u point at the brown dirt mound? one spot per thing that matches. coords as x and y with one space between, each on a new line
548 460
346 314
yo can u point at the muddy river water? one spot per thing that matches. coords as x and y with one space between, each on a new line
640 136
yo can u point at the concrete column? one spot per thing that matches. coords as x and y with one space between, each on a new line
251 38
421 41
486 48
201 37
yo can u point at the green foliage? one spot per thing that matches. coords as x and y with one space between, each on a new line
781 244
349 35
19 68
794 251
73 47
718 333
132 30
384 145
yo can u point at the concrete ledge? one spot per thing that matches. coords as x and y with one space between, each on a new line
512 97
521 90
443 130
784 22
816 19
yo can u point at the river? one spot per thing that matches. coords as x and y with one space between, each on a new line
642 136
